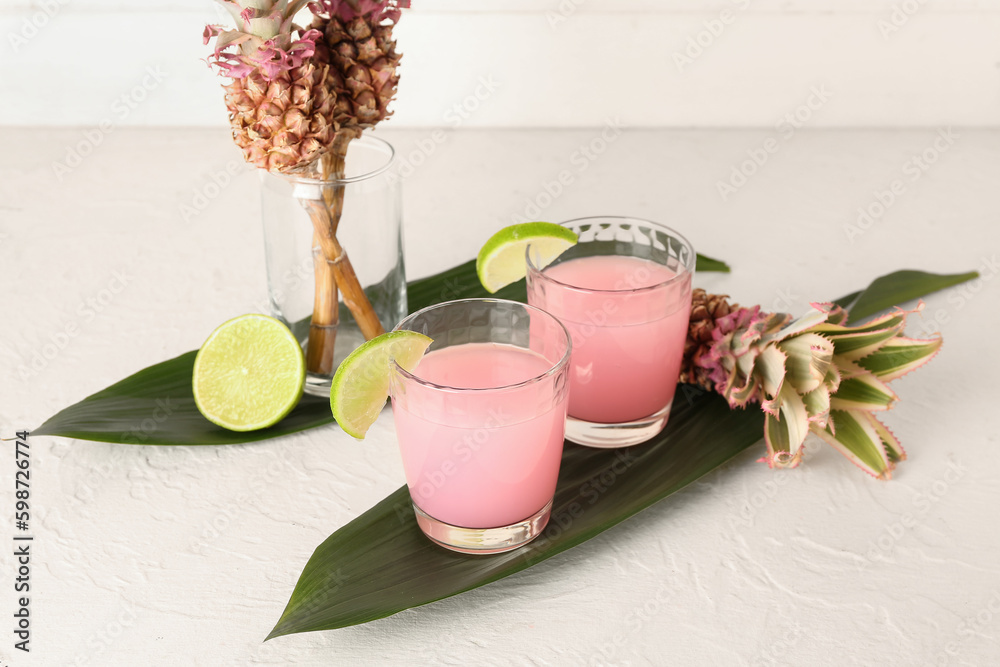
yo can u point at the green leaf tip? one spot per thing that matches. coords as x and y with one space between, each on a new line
380 563
895 289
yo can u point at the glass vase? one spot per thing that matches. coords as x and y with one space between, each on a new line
334 299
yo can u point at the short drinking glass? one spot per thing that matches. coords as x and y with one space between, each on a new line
624 293
480 422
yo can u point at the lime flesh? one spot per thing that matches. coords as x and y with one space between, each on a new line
501 260
361 384
249 374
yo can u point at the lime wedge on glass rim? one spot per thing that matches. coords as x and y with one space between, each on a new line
361 383
501 259
249 374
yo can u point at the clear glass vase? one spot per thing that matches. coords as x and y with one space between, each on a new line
368 232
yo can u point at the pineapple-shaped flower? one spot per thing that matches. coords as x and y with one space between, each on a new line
297 100
358 44
815 374
281 102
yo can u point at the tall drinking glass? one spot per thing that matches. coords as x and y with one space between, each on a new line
624 293
480 422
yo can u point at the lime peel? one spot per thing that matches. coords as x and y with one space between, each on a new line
361 384
501 261
249 374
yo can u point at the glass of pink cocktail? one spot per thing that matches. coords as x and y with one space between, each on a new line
624 293
480 422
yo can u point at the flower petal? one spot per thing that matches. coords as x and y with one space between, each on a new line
899 356
858 440
809 357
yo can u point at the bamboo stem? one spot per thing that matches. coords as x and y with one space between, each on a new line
325 317
333 267
350 288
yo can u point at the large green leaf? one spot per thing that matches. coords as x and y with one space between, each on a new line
380 563
704 264
156 407
899 287
135 410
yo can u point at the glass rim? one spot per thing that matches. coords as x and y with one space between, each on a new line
365 140
689 265
552 370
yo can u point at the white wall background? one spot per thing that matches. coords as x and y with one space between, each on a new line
565 63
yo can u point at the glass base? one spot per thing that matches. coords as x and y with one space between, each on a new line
623 434
318 385
483 540
348 340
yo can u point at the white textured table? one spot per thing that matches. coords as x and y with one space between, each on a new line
186 556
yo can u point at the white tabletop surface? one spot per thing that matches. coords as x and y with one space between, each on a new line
816 566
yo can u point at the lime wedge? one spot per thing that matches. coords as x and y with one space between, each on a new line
249 374
501 259
361 383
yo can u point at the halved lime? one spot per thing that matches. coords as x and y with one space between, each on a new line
249 374
361 383
501 259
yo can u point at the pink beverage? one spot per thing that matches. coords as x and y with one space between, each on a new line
628 320
481 443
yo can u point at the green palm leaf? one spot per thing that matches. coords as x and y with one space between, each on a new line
896 288
380 563
156 407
